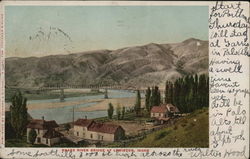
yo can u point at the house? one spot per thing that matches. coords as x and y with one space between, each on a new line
91 130
163 112
81 127
173 110
46 131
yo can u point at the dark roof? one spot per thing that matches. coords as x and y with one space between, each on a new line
52 134
83 122
42 124
159 109
104 128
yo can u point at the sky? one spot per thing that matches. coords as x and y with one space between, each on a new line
50 30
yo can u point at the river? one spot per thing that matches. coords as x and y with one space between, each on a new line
65 114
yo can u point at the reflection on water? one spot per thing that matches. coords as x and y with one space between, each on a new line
64 114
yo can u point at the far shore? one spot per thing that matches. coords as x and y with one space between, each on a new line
102 104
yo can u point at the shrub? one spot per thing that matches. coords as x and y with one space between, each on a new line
161 135
183 124
32 136
175 127
191 125
185 121
67 126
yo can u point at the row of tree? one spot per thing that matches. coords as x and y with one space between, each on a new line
188 93
120 112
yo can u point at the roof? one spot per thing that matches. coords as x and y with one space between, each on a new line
165 108
172 108
52 134
159 109
104 128
83 122
42 124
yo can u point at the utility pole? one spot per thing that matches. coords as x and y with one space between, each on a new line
62 95
73 115
106 94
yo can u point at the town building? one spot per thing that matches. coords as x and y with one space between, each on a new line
163 113
47 131
91 130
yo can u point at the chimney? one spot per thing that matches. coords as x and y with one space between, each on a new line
43 118
86 117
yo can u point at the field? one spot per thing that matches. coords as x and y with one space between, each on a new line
189 131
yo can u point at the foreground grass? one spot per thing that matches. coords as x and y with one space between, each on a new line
20 143
189 131
23 143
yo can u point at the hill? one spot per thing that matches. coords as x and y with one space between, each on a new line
190 131
145 65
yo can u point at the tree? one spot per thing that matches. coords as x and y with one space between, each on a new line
67 126
32 136
110 111
202 91
189 93
118 111
123 112
19 115
170 93
155 99
158 97
166 92
152 98
147 99
138 103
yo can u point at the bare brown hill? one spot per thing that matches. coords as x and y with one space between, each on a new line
150 64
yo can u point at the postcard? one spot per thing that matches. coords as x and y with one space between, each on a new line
124 79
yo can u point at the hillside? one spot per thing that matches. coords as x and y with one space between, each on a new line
190 131
150 64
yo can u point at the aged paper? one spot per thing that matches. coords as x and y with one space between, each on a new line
124 79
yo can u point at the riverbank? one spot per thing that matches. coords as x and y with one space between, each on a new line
103 104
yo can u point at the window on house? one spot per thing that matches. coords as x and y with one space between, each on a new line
102 137
91 136
77 133
47 141
38 131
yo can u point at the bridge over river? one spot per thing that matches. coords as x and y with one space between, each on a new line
49 88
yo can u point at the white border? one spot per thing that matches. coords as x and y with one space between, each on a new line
104 3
